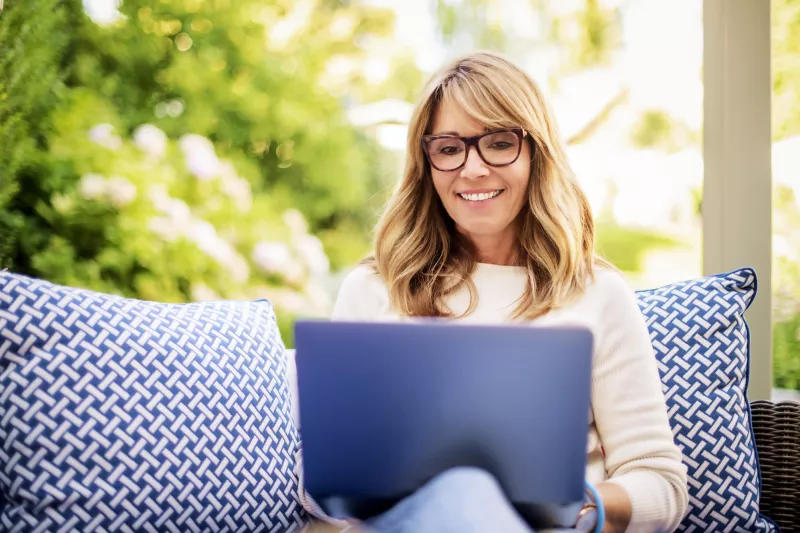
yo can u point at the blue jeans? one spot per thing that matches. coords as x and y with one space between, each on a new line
461 500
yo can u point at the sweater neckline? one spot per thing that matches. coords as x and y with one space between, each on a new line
490 273
491 267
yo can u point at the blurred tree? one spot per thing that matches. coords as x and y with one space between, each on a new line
258 79
627 247
584 37
33 49
471 24
186 149
786 206
786 289
786 347
590 35
657 129
786 68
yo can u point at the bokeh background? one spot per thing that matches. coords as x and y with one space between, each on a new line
189 150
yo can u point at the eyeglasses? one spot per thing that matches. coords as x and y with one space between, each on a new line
496 148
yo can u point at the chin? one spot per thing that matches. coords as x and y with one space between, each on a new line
481 229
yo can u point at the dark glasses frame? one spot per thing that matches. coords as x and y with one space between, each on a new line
473 141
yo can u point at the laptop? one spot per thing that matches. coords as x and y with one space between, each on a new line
385 407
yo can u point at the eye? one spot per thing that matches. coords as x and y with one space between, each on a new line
500 145
449 150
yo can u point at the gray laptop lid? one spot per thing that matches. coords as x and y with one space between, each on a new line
384 407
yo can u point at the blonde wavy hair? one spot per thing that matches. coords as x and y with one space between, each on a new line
417 250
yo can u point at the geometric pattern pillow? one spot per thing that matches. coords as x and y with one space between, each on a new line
702 344
123 415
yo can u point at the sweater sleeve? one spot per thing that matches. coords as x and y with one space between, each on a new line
631 414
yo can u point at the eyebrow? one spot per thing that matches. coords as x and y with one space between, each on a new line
455 133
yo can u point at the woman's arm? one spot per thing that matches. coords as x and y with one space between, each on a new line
646 490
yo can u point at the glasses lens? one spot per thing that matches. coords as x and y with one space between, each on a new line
500 148
446 153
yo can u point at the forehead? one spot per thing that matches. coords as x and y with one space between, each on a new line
449 117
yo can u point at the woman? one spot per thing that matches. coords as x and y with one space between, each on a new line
489 225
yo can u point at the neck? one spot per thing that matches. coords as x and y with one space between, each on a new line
496 249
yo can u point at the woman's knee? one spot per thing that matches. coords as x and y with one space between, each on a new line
462 500
467 480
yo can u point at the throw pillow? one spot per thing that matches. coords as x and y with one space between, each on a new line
124 415
702 343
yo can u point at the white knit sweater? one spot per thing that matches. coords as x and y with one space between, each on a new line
629 438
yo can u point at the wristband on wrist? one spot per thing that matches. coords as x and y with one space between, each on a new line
591 518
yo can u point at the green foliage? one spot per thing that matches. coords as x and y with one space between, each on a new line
656 129
786 289
786 68
188 151
140 217
627 247
31 73
786 346
472 20
585 37
599 35
239 74
786 213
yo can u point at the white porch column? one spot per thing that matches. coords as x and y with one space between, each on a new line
737 191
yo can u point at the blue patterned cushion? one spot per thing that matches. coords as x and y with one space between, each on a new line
702 343
123 415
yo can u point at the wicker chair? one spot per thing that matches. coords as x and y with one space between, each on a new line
777 433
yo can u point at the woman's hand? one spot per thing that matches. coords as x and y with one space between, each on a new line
617 507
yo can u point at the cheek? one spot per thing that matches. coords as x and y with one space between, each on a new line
518 176
442 183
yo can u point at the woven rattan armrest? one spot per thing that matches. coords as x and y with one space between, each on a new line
777 433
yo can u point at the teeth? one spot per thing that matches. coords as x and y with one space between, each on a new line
481 196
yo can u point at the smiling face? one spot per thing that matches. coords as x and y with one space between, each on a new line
483 200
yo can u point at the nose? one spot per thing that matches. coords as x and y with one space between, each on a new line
474 167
